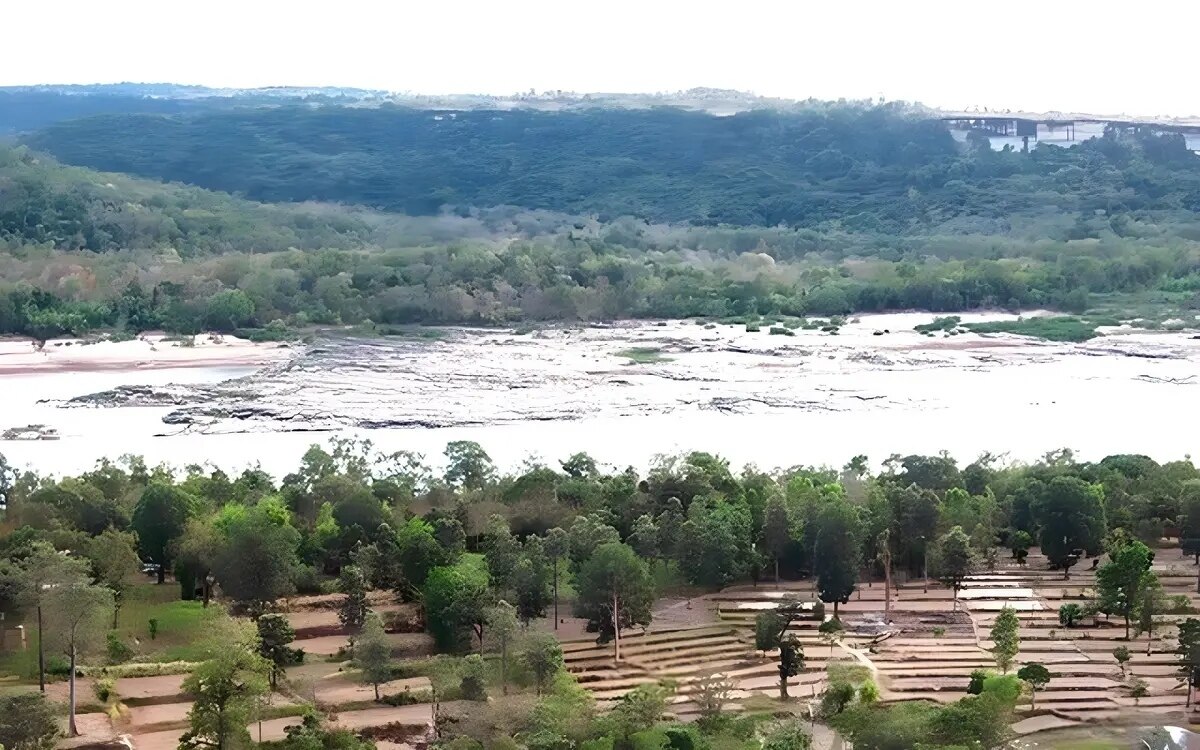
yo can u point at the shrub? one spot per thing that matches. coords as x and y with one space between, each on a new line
104 688
780 331
1069 615
116 649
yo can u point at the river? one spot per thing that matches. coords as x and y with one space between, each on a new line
875 388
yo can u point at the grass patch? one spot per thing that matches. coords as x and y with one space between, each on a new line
186 630
643 355
948 323
1059 328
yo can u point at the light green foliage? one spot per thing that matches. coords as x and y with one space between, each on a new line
455 598
1122 655
257 562
467 464
373 653
953 559
718 536
76 617
473 686
502 551
788 735
1122 581
501 620
1006 638
225 690
543 657
1069 614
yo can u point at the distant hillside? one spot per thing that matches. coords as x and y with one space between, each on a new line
70 208
885 169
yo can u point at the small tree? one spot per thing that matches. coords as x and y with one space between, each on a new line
975 686
1138 689
767 629
1070 614
954 559
791 662
776 531
275 634
543 657
830 631
1188 652
1019 542
1122 581
373 653
1006 638
473 685
711 694
1122 655
77 615
615 591
353 610
225 689
502 623
1037 677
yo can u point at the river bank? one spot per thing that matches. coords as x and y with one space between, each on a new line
149 351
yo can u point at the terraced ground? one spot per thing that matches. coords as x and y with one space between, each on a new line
925 651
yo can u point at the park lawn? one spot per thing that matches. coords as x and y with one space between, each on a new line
185 629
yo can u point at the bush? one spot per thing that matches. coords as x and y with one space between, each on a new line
308 580
473 685
1069 615
116 649
150 669
104 688
780 331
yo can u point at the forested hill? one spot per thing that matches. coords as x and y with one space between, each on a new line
69 208
881 169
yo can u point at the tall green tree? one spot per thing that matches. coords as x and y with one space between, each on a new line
257 563
502 625
275 635
615 591
455 599
354 608
1121 581
77 614
501 551
954 559
531 582
1070 513
41 573
373 653
159 518
718 549
1006 638
1188 653
776 531
115 562
837 563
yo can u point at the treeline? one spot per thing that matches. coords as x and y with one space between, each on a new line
884 169
349 505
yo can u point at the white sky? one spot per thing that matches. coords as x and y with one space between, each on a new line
1099 56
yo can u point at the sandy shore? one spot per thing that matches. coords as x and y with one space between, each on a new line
147 352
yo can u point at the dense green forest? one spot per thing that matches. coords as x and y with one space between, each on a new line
536 216
481 549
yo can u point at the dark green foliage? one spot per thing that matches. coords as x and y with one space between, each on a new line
275 634
159 519
455 598
838 540
27 722
1070 512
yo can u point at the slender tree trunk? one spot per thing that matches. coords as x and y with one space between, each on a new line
41 653
835 609
1033 700
376 692
783 686
162 573
72 730
1126 627
776 571
616 615
116 607
887 585
207 591
556 593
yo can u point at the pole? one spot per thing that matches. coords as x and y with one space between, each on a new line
555 593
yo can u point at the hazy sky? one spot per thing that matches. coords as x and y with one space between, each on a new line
1097 56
